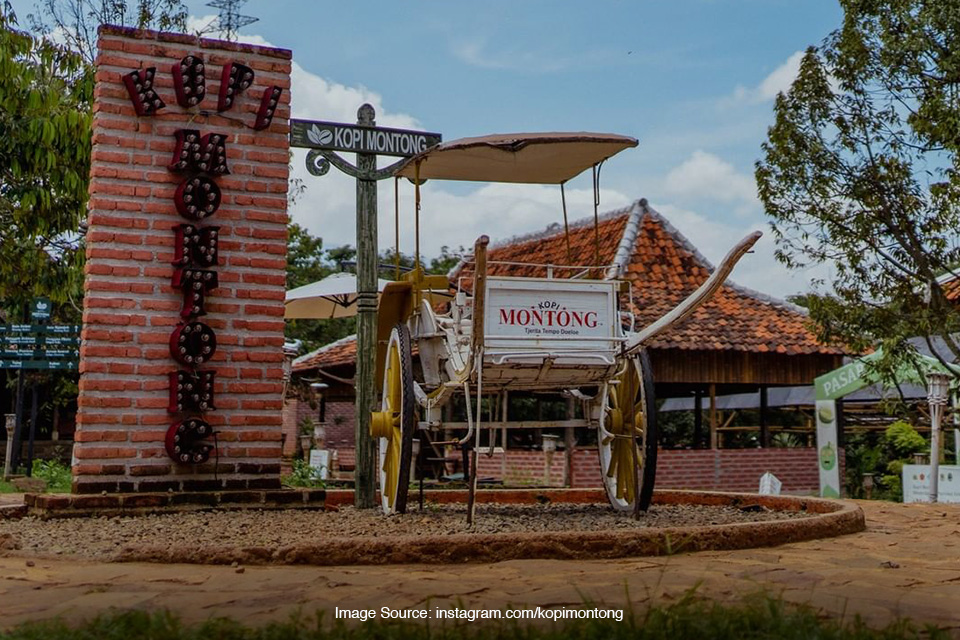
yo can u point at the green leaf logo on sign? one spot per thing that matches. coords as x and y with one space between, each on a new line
320 137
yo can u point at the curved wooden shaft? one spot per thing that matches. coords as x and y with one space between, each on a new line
683 310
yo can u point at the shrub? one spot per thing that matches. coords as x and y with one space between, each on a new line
304 476
903 440
57 476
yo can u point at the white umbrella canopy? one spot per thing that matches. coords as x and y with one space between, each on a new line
536 158
332 297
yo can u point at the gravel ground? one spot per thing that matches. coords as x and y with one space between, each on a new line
104 538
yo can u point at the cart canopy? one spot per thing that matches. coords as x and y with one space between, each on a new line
536 158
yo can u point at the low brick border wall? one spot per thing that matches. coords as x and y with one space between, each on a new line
127 504
12 511
828 518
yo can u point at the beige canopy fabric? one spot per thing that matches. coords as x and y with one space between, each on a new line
535 158
332 297
335 297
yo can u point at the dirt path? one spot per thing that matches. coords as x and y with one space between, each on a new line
906 563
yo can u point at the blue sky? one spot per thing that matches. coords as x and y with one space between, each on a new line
693 80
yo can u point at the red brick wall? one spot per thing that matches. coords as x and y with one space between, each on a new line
341 420
739 469
720 470
339 426
130 308
524 468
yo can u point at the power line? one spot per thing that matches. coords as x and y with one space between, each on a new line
230 21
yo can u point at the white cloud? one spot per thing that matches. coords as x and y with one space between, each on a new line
447 218
498 210
315 97
757 270
778 81
478 53
706 177
453 216
450 216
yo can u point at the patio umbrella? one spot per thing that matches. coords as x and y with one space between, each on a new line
333 297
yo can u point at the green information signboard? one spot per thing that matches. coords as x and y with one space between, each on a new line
59 365
40 346
56 329
12 341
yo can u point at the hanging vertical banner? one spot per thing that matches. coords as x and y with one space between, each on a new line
828 452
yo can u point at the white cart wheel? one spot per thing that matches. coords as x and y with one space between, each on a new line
618 448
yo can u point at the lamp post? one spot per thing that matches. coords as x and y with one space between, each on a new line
938 389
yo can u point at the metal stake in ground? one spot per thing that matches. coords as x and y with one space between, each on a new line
367 141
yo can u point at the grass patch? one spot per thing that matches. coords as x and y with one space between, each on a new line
57 475
691 617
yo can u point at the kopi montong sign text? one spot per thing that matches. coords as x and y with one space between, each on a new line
335 136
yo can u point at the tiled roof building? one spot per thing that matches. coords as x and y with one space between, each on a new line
335 354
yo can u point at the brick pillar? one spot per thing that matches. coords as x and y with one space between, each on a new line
132 305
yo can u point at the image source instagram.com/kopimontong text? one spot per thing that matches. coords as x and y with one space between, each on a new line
437 613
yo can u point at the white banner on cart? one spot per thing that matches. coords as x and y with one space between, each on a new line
523 313
916 483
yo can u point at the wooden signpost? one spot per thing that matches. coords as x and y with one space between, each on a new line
368 141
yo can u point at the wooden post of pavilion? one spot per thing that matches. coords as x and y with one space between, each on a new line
569 442
764 427
713 416
698 418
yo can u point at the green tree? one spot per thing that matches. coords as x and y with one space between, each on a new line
307 262
860 171
447 260
45 94
305 258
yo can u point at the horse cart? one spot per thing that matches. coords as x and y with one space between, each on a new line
563 333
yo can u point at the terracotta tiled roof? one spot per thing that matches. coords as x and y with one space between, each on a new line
343 351
550 247
664 268
951 289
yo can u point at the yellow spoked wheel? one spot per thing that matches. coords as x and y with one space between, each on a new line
394 424
628 450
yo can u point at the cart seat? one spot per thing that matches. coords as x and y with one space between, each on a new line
540 332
